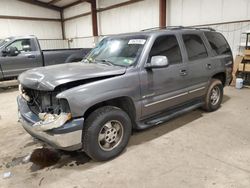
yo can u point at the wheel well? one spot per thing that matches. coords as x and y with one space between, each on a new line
125 103
221 76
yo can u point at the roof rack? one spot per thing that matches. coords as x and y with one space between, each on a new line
178 27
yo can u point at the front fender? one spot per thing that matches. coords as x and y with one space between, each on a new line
82 97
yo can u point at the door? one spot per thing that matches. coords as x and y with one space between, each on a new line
27 57
162 88
199 65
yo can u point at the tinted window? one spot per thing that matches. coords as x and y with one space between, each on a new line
195 47
167 46
218 43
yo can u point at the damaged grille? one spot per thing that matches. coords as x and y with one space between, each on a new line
46 102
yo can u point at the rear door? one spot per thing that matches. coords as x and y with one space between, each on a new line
28 57
162 88
199 64
221 53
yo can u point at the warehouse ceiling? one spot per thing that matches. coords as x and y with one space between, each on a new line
55 4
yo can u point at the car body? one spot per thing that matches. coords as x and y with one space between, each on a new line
155 75
18 54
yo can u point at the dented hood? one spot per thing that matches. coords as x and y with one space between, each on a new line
47 78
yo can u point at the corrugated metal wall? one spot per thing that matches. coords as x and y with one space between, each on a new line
129 18
48 44
119 20
202 12
42 29
234 34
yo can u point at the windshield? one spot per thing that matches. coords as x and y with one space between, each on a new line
3 42
122 51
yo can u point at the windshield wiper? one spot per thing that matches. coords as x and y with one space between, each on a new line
107 62
89 60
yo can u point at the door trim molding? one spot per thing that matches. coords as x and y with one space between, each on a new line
173 97
167 99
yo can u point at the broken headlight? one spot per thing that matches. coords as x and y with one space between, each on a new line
23 93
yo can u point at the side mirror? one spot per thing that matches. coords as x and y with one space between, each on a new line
4 53
11 51
157 62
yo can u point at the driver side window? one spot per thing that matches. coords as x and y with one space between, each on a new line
23 45
167 46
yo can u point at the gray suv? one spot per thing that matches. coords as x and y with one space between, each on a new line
128 81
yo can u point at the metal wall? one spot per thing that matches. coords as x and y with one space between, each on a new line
47 44
42 29
129 18
123 19
211 13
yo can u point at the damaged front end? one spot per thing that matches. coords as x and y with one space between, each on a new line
49 119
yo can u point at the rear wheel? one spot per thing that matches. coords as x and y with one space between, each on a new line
106 133
213 96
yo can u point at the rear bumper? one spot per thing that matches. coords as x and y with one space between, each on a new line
67 137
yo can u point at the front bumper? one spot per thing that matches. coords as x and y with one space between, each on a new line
67 137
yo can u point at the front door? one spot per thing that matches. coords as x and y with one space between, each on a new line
162 88
28 57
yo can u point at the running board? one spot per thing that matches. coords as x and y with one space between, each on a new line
164 117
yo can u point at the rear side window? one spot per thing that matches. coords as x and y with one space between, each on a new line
194 46
218 43
167 46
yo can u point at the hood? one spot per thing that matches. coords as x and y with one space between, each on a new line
48 78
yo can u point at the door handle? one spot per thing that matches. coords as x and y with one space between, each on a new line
31 56
209 66
183 72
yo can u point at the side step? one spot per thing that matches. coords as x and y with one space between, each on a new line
164 117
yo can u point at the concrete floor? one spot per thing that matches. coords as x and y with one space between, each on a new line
195 150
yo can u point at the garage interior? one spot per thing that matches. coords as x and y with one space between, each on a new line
198 149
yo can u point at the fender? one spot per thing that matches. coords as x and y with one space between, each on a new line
82 97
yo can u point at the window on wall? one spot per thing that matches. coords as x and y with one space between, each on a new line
194 46
218 43
167 46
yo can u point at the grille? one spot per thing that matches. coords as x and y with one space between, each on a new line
45 102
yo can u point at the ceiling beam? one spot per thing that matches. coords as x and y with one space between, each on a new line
29 18
118 5
74 3
53 2
41 4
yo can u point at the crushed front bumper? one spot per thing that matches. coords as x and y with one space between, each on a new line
67 137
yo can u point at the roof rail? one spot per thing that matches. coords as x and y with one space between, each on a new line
178 27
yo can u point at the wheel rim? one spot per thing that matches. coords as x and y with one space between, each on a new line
110 135
215 95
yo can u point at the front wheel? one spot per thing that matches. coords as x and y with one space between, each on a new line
213 96
106 133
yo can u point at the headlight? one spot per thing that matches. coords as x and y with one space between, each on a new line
22 93
51 121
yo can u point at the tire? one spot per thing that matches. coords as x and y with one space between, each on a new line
106 133
213 101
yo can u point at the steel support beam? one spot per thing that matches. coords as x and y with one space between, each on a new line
94 17
62 24
162 13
